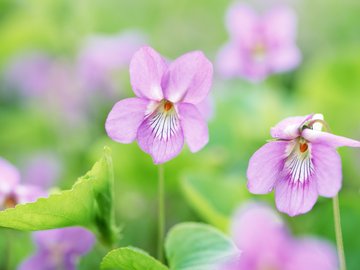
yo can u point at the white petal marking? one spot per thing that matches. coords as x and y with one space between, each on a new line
164 122
298 164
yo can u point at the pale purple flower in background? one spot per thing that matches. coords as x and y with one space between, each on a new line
300 164
59 249
52 84
259 45
65 98
266 243
29 73
102 57
165 112
41 169
12 192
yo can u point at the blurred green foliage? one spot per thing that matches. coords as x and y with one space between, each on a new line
328 81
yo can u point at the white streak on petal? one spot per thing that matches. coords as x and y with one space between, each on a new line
298 164
164 124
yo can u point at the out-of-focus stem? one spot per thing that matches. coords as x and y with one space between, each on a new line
338 233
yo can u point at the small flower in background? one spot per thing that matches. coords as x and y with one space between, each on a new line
300 164
59 249
259 46
51 83
102 57
265 243
165 111
41 169
12 192
29 73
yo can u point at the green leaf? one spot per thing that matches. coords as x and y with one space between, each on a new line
131 259
89 204
214 198
196 246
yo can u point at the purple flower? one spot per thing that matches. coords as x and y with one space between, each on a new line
52 83
165 112
300 164
259 46
265 243
29 73
104 55
59 249
42 170
11 191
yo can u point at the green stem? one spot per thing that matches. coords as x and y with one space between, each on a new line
161 213
8 248
338 233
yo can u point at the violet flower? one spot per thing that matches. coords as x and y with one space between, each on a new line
265 243
29 73
300 164
41 169
59 249
11 191
52 83
104 55
259 46
165 112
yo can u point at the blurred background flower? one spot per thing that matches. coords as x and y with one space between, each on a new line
59 249
265 243
259 45
104 59
68 119
13 191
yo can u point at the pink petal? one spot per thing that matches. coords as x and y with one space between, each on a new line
252 70
326 138
312 254
194 126
229 61
289 128
280 25
125 118
77 240
265 167
295 198
29 193
254 224
161 150
207 108
327 166
242 23
9 176
284 58
147 68
189 78
38 261
262 237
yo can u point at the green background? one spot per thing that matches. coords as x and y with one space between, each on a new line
209 185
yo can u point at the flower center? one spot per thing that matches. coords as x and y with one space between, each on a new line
258 52
10 201
303 147
167 105
164 121
298 164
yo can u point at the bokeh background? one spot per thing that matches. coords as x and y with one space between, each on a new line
47 108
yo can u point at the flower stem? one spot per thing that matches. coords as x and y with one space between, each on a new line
161 213
8 248
338 233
